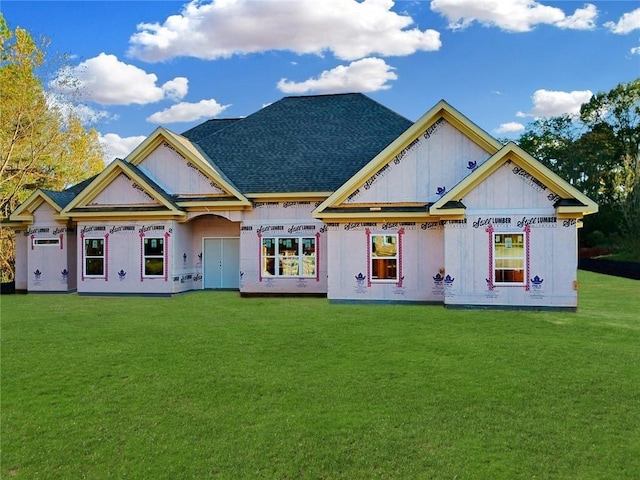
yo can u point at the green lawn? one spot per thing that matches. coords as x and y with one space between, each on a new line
209 385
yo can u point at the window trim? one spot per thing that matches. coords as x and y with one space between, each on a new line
87 257
160 256
495 258
396 257
300 256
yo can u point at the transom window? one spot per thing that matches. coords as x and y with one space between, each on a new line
46 242
94 257
289 257
384 257
153 257
509 258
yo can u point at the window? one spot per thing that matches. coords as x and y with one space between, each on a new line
509 258
289 257
153 257
384 257
40 242
94 257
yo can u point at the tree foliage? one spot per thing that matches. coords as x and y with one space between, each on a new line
599 153
43 144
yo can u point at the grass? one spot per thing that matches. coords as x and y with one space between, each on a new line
209 385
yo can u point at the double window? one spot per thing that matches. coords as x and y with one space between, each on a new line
509 252
384 257
289 257
153 257
94 257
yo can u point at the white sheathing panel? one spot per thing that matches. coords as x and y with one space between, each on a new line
510 187
46 249
552 258
43 215
123 191
438 159
21 266
176 174
124 257
276 220
421 259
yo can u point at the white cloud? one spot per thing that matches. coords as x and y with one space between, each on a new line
116 146
628 22
188 112
176 89
635 51
549 103
510 127
512 15
107 81
366 75
349 29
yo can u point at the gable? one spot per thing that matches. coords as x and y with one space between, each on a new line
179 176
436 160
123 191
511 187
437 151
182 170
508 164
37 201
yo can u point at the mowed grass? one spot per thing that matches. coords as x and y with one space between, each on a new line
210 385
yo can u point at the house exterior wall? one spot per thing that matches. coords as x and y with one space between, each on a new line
420 259
123 257
281 220
551 261
45 248
21 267
439 158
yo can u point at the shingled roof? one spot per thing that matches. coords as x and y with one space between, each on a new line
300 144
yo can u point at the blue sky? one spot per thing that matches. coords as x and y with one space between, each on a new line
503 63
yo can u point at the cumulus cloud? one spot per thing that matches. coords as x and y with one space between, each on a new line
116 146
628 23
107 81
512 15
349 29
549 103
366 75
188 112
510 127
635 51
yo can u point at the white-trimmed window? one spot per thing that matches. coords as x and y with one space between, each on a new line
509 255
384 258
289 257
94 257
153 257
46 242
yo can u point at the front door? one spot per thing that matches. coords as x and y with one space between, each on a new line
221 263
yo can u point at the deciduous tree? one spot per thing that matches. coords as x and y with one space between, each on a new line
43 144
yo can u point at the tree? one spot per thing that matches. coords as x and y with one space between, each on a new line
598 153
42 144
619 110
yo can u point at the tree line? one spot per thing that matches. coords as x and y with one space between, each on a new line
598 152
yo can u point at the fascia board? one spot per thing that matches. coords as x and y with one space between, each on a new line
288 196
347 216
441 110
138 215
213 205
